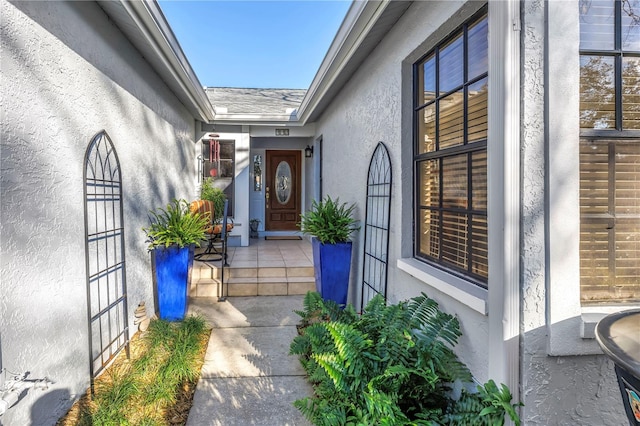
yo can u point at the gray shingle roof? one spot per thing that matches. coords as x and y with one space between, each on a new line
254 101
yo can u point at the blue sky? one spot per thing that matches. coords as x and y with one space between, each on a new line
255 44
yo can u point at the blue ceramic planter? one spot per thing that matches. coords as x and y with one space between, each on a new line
332 264
171 273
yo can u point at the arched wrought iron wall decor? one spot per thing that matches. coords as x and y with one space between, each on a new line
104 254
376 229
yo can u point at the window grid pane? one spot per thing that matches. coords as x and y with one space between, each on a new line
597 25
627 182
478 48
430 233
479 181
480 255
427 129
429 183
429 75
451 120
455 239
597 92
631 92
594 178
451 65
454 182
630 25
477 104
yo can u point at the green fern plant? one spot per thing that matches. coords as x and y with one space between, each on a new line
393 365
329 221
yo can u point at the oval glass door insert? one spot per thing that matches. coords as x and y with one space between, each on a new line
283 182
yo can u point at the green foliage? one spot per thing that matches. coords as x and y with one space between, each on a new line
138 392
393 365
215 194
329 221
176 225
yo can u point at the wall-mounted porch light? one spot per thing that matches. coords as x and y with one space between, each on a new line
308 151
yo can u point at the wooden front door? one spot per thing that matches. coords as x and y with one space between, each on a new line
283 190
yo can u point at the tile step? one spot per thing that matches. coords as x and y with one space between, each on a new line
200 272
253 287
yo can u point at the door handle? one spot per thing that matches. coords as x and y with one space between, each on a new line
266 192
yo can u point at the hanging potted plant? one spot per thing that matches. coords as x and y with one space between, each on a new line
330 224
172 236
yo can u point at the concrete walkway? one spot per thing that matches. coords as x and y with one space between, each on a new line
248 377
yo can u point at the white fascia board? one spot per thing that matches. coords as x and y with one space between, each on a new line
360 18
263 119
154 27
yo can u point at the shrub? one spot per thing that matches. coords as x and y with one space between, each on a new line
393 365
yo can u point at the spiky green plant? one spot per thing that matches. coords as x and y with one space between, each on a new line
176 224
212 193
393 365
329 221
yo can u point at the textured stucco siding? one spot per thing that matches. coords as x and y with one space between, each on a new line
374 106
68 73
563 390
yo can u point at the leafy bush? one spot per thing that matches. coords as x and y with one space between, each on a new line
215 194
329 221
176 224
393 365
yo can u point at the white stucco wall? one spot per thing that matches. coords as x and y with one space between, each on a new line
576 387
67 73
557 390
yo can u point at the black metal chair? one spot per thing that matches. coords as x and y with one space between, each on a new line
216 232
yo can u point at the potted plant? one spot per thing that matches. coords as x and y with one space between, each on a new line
172 235
330 224
212 193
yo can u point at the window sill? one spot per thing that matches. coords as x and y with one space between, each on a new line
459 289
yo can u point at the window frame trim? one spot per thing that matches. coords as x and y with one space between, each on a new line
467 148
607 136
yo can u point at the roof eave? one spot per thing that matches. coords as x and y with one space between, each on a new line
359 20
161 44
353 41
